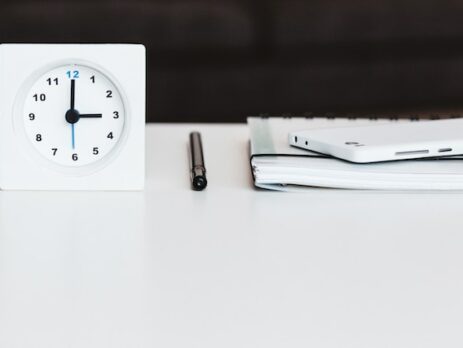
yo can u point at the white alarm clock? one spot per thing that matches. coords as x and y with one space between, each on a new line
72 116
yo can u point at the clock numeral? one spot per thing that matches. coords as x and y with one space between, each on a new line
93 79
39 97
110 135
72 74
96 151
52 81
109 94
31 116
74 157
38 137
116 114
54 150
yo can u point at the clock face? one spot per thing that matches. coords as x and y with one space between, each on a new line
73 115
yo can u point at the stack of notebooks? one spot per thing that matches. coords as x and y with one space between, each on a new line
277 166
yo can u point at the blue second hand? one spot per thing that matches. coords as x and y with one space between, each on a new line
73 139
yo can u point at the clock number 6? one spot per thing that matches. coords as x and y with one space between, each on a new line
74 157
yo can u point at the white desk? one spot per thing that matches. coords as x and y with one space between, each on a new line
231 266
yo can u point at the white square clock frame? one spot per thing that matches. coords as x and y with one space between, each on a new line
72 116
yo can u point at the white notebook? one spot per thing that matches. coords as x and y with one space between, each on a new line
277 166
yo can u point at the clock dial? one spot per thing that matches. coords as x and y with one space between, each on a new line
74 115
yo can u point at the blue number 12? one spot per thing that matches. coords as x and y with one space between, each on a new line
73 74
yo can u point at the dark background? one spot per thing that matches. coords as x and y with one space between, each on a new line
221 60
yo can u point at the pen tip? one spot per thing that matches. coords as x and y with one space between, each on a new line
199 183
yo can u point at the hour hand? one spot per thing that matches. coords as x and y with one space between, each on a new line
91 115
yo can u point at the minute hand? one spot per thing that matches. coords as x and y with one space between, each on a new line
73 93
91 115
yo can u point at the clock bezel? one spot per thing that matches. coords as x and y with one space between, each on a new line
32 151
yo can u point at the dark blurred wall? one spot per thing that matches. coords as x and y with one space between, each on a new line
221 60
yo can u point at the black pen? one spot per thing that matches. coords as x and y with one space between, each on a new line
198 170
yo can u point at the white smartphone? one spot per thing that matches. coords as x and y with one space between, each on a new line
385 142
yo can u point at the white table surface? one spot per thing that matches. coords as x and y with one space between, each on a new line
230 266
